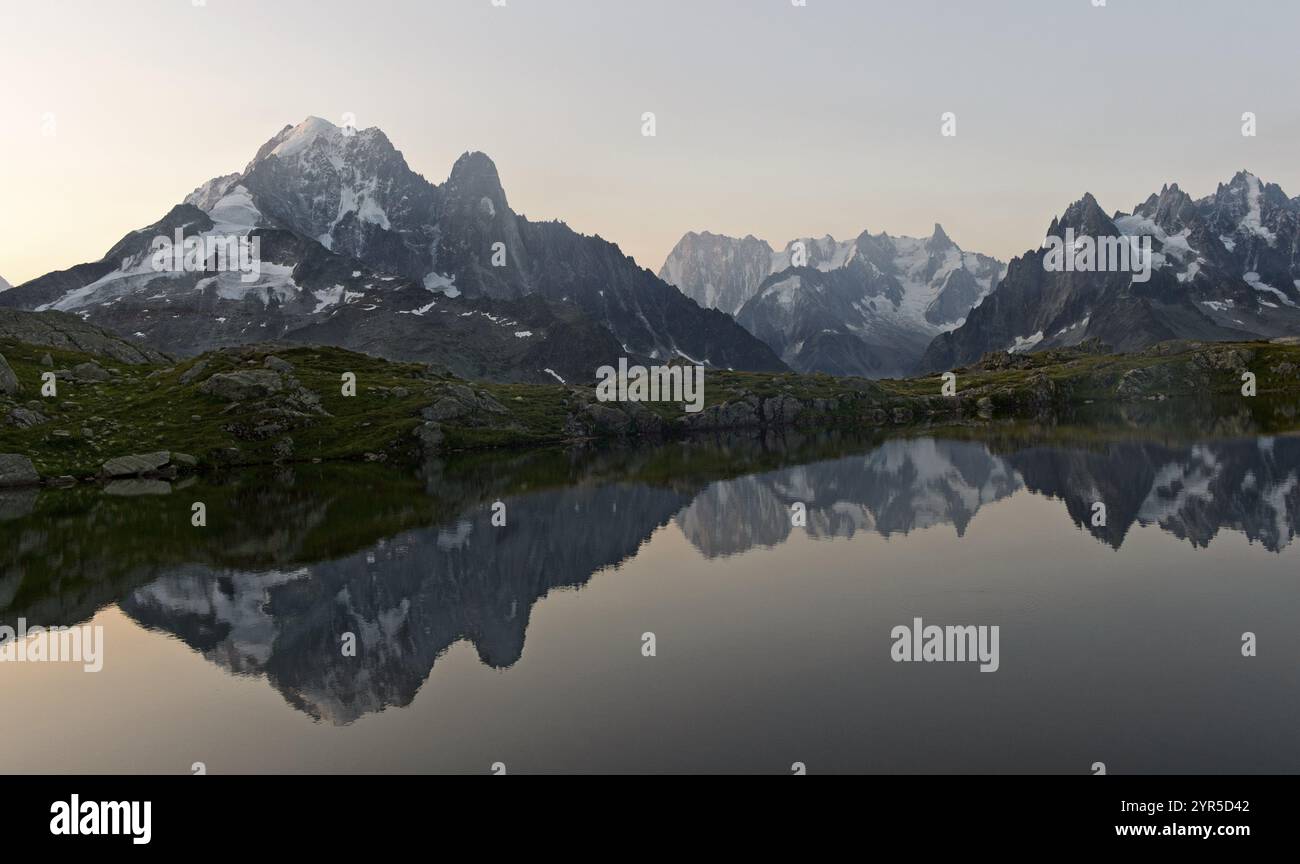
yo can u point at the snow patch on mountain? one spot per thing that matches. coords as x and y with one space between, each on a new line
1252 222
234 213
440 284
1253 280
1025 343
333 297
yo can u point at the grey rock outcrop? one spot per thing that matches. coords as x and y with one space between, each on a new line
137 464
243 385
17 470
9 385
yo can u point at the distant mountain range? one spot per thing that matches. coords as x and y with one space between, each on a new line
361 252
1225 267
866 307
4 285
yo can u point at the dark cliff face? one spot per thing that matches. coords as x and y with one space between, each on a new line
1225 267
69 333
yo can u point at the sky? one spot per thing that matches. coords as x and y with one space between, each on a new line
772 119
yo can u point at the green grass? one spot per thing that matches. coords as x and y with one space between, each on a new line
145 408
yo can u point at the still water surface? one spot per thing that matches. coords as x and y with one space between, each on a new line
523 644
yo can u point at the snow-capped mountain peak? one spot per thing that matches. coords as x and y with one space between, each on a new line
1222 267
867 306
354 246
296 140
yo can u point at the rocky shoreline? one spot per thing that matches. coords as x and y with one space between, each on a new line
120 417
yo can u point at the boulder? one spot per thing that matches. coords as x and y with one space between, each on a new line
475 400
9 385
446 408
25 418
17 470
243 385
191 374
92 372
137 464
275 364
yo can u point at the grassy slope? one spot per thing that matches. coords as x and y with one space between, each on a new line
146 408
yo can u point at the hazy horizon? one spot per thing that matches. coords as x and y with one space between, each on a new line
773 120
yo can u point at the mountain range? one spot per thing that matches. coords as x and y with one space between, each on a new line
359 251
1224 267
868 307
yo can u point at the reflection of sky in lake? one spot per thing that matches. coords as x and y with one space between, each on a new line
1119 643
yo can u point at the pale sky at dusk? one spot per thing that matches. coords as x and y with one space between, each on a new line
773 120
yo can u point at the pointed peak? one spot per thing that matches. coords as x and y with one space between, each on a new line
474 164
1085 206
1240 187
1243 182
939 240
473 177
1085 216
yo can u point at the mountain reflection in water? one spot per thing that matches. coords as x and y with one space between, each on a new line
412 564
